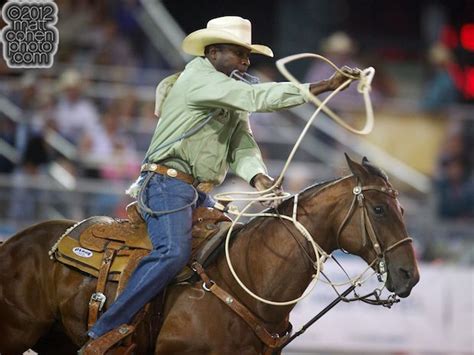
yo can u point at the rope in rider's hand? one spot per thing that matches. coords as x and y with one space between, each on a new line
263 183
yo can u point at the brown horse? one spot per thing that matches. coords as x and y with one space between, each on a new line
44 304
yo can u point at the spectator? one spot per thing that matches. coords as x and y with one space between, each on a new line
25 96
442 88
7 136
456 190
110 155
341 49
113 49
74 115
25 201
127 110
118 160
338 48
125 16
454 182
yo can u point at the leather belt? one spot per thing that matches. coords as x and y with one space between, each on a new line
187 178
164 170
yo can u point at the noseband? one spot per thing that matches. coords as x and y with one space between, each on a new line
367 227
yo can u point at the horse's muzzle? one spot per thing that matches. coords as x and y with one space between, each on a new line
401 280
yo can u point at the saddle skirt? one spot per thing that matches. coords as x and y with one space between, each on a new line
84 245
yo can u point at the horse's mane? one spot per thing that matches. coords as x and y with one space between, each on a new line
313 189
374 169
288 203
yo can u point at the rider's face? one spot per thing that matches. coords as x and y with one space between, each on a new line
228 57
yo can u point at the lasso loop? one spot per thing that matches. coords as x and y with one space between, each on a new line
365 80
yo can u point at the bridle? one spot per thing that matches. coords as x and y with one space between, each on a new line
367 227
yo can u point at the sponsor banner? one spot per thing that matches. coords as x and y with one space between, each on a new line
82 252
437 317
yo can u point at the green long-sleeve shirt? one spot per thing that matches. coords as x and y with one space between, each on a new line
226 141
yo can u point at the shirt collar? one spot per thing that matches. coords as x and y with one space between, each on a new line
201 63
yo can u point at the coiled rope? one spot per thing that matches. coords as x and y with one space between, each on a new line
365 79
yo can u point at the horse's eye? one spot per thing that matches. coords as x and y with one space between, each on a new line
379 210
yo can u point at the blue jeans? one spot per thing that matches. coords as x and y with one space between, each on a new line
170 235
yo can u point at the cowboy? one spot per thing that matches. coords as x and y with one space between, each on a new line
202 132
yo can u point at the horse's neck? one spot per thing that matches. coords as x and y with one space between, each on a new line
271 256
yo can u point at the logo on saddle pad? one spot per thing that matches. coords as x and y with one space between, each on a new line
85 253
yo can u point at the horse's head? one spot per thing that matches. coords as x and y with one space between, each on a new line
373 228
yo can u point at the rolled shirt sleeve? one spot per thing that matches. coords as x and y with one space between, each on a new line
219 90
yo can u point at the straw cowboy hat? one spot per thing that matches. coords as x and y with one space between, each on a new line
70 78
226 30
339 43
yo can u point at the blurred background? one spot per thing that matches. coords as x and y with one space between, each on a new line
72 137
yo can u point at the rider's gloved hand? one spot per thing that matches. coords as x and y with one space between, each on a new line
263 182
337 78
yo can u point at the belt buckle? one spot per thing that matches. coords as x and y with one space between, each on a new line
98 297
172 172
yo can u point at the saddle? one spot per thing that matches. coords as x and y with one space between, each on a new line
84 246
110 249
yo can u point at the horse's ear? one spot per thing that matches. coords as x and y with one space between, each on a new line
356 169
